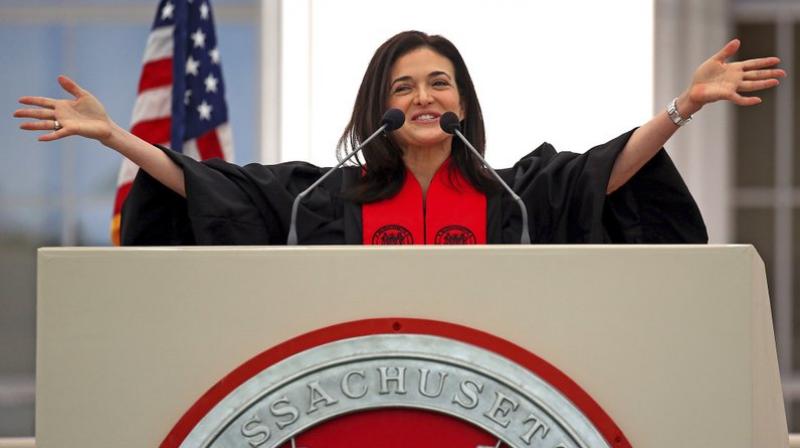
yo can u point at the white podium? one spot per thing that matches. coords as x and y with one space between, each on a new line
675 343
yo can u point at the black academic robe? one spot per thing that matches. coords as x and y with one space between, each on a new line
565 194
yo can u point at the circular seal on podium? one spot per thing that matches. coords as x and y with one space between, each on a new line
396 382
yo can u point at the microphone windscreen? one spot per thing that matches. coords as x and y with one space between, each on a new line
393 119
449 122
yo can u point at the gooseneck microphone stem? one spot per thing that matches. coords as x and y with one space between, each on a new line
525 237
291 240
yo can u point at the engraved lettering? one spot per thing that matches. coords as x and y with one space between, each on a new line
283 407
255 432
317 396
347 391
399 377
405 371
423 383
470 389
537 426
498 408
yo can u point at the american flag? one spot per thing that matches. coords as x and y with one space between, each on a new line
181 99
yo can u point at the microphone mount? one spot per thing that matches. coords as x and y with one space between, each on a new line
393 119
449 124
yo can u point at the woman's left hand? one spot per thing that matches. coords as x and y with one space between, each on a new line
717 79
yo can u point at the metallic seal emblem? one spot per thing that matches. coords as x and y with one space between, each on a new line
366 371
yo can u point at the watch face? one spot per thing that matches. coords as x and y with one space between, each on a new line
396 383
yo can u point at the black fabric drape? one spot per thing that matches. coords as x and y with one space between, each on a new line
565 194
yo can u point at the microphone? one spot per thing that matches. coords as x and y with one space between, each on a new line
449 123
392 120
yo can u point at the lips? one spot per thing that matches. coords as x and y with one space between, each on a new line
425 117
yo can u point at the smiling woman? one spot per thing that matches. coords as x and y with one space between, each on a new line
419 185
424 88
417 74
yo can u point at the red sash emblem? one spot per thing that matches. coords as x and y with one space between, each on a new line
453 212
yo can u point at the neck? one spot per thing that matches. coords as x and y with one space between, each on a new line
423 162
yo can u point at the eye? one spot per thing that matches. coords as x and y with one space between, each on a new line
401 88
441 83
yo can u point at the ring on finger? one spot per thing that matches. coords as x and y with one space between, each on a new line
56 125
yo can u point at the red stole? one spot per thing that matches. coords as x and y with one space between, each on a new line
454 213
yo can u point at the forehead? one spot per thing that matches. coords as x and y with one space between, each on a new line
421 62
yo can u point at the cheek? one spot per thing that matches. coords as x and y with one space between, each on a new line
397 102
453 104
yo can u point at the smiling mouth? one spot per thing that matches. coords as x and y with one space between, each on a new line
426 118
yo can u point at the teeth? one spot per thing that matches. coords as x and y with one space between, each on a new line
426 117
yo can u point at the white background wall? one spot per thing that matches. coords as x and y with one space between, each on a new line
574 73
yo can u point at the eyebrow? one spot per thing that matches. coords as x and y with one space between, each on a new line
430 75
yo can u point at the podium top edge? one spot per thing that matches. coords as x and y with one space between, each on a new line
357 248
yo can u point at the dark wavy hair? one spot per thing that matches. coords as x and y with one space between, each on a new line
384 158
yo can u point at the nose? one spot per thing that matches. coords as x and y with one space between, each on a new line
424 96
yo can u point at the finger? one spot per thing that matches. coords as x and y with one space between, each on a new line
753 75
745 100
728 50
752 64
42 114
38 101
70 86
45 125
752 86
61 133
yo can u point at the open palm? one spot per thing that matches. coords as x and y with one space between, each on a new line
717 79
84 115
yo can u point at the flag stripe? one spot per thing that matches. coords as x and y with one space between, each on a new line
156 73
127 172
226 140
153 130
159 44
208 145
190 149
122 193
152 104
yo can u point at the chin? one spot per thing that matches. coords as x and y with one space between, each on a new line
427 140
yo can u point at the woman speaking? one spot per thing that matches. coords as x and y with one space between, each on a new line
417 184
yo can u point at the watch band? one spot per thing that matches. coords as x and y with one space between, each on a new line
672 111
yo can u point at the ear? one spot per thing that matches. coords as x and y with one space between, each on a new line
462 110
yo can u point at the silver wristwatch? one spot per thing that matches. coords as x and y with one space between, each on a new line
672 111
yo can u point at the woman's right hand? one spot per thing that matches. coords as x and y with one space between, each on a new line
84 115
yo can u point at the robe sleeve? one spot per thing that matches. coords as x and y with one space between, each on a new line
227 204
567 202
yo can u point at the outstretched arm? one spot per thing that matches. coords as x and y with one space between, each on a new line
714 80
86 116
